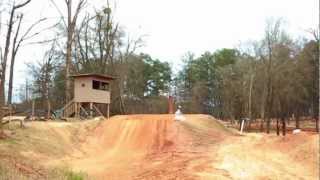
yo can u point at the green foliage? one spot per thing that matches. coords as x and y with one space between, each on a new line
225 57
199 78
65 173
101 47
157 76
146 76
275 74
75 176
275 77
58 87
149 104
147 82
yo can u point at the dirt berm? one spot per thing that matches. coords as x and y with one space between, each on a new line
157 147
149 146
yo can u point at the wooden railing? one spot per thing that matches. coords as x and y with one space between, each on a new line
97 110
74 109
68 109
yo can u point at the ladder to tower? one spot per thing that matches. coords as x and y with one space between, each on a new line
73 109
69 109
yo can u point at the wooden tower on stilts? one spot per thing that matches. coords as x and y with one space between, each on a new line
91 91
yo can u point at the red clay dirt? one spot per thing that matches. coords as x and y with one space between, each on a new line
157 147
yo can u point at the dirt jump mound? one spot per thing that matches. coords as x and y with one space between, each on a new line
158 147
154 133
122 146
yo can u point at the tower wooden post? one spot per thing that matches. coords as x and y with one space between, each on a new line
91 109
108 110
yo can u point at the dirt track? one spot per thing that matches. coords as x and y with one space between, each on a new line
157 147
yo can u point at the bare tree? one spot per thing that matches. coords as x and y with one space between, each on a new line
6 50
273 36
72 20
101 49
15 47
42 73
316 85
70 26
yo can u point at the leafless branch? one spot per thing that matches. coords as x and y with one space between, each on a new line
59 11
79 7
22 4
25 37
315 33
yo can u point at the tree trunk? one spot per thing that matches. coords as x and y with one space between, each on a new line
6 51
5 59
121 103
27 91
13 58
68 53
268 125
297 119
11 80
316 80
269 84
269 109
32 110
250 102
261 125
68 65
70 32
249 125
283 126
2 86
317 123
262 108
278 129
48 109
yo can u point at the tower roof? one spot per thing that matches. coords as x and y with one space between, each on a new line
96 75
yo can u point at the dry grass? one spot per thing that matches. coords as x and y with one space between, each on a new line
26 150
8 172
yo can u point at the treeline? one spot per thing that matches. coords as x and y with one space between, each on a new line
141 83
101 46
83 41
274 78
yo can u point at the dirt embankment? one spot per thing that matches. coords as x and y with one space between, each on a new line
25 151
149 146
261 156
157 147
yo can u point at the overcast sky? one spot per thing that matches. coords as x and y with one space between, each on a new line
177 26
174 27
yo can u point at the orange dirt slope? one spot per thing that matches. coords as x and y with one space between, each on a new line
157 147
134 146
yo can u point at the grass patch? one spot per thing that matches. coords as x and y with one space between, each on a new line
75 176
10 141
67 174
7 172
